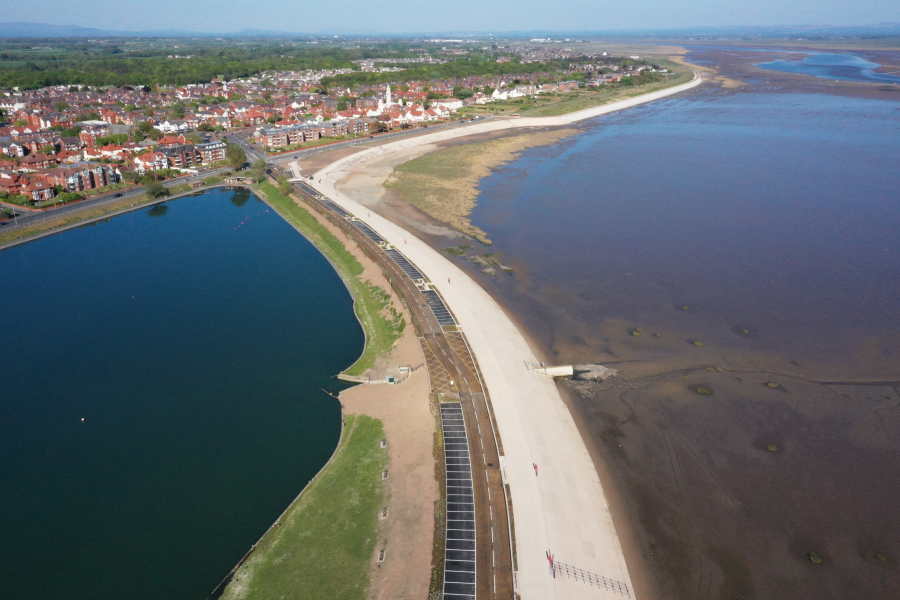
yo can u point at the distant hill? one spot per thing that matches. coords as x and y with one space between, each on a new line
15 30
43 30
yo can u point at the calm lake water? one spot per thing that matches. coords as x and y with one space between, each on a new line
846 67
778 213
193 339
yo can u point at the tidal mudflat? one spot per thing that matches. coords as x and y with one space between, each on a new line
735 256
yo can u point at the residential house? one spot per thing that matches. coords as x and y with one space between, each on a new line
89 135
72 144
152 161
12 148
39 189
84 176
180 157
450 104
173 126
211 152
332 128
278 137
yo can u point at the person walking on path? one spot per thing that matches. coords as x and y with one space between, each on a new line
535 469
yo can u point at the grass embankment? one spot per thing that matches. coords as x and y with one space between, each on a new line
87 214
383 325
444 183
562 103
322 546
606 95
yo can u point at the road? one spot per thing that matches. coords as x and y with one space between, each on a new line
254 153
564 511
26 218
493 554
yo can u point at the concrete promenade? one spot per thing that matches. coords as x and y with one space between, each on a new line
561 509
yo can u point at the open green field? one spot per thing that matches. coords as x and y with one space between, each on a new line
322 546
372 303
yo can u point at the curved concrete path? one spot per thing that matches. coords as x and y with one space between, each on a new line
562 509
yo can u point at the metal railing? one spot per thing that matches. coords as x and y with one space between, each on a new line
592 579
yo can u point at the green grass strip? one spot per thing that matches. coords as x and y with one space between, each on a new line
322 546
370 301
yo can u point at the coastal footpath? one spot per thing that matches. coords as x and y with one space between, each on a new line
559 505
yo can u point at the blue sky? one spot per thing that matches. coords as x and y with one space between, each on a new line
401 16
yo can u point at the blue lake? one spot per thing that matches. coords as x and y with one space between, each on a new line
162 400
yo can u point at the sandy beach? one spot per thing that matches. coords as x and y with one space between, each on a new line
564 509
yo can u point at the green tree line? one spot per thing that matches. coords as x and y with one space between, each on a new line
120 69
456 69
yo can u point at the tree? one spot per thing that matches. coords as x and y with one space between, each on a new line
284 186
70 132
193 138
258 170
145 126
20 123
377 127
61 106
462 93
155 189
176 111
204 126
116 138
155 134
235 156
271 120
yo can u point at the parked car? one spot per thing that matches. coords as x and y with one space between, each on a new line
117 196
